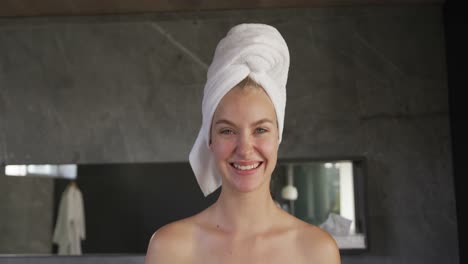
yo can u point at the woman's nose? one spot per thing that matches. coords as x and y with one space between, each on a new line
244 146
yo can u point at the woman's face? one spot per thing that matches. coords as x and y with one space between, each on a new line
244 139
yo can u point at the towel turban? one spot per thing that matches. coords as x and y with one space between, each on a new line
257 51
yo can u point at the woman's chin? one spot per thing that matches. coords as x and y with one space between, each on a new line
245 181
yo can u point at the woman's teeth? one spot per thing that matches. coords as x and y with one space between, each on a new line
247 167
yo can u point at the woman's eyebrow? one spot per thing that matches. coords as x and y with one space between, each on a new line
261 121
224 121
256 123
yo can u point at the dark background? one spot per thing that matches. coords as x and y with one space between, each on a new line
456 29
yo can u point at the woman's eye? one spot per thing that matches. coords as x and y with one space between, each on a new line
226 131
260 130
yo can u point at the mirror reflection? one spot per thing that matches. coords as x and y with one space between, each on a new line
115 208
323 194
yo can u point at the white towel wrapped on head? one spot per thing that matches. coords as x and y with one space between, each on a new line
257 51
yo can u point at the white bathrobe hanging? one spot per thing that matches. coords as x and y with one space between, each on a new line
70 226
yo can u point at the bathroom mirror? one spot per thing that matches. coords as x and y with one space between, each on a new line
328 194
125 203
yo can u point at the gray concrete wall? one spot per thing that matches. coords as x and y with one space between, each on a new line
26 210
367 81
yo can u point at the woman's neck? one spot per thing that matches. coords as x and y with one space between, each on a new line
244 213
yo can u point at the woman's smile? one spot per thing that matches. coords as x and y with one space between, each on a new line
246 168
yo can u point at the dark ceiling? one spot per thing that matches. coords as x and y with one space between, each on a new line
15 8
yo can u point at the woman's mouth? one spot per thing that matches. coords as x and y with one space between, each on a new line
246 167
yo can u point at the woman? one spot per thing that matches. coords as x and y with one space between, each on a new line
243 112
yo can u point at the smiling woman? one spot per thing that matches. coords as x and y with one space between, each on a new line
243 117
366 80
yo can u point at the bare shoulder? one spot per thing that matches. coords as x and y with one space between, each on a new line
318 244
171 243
